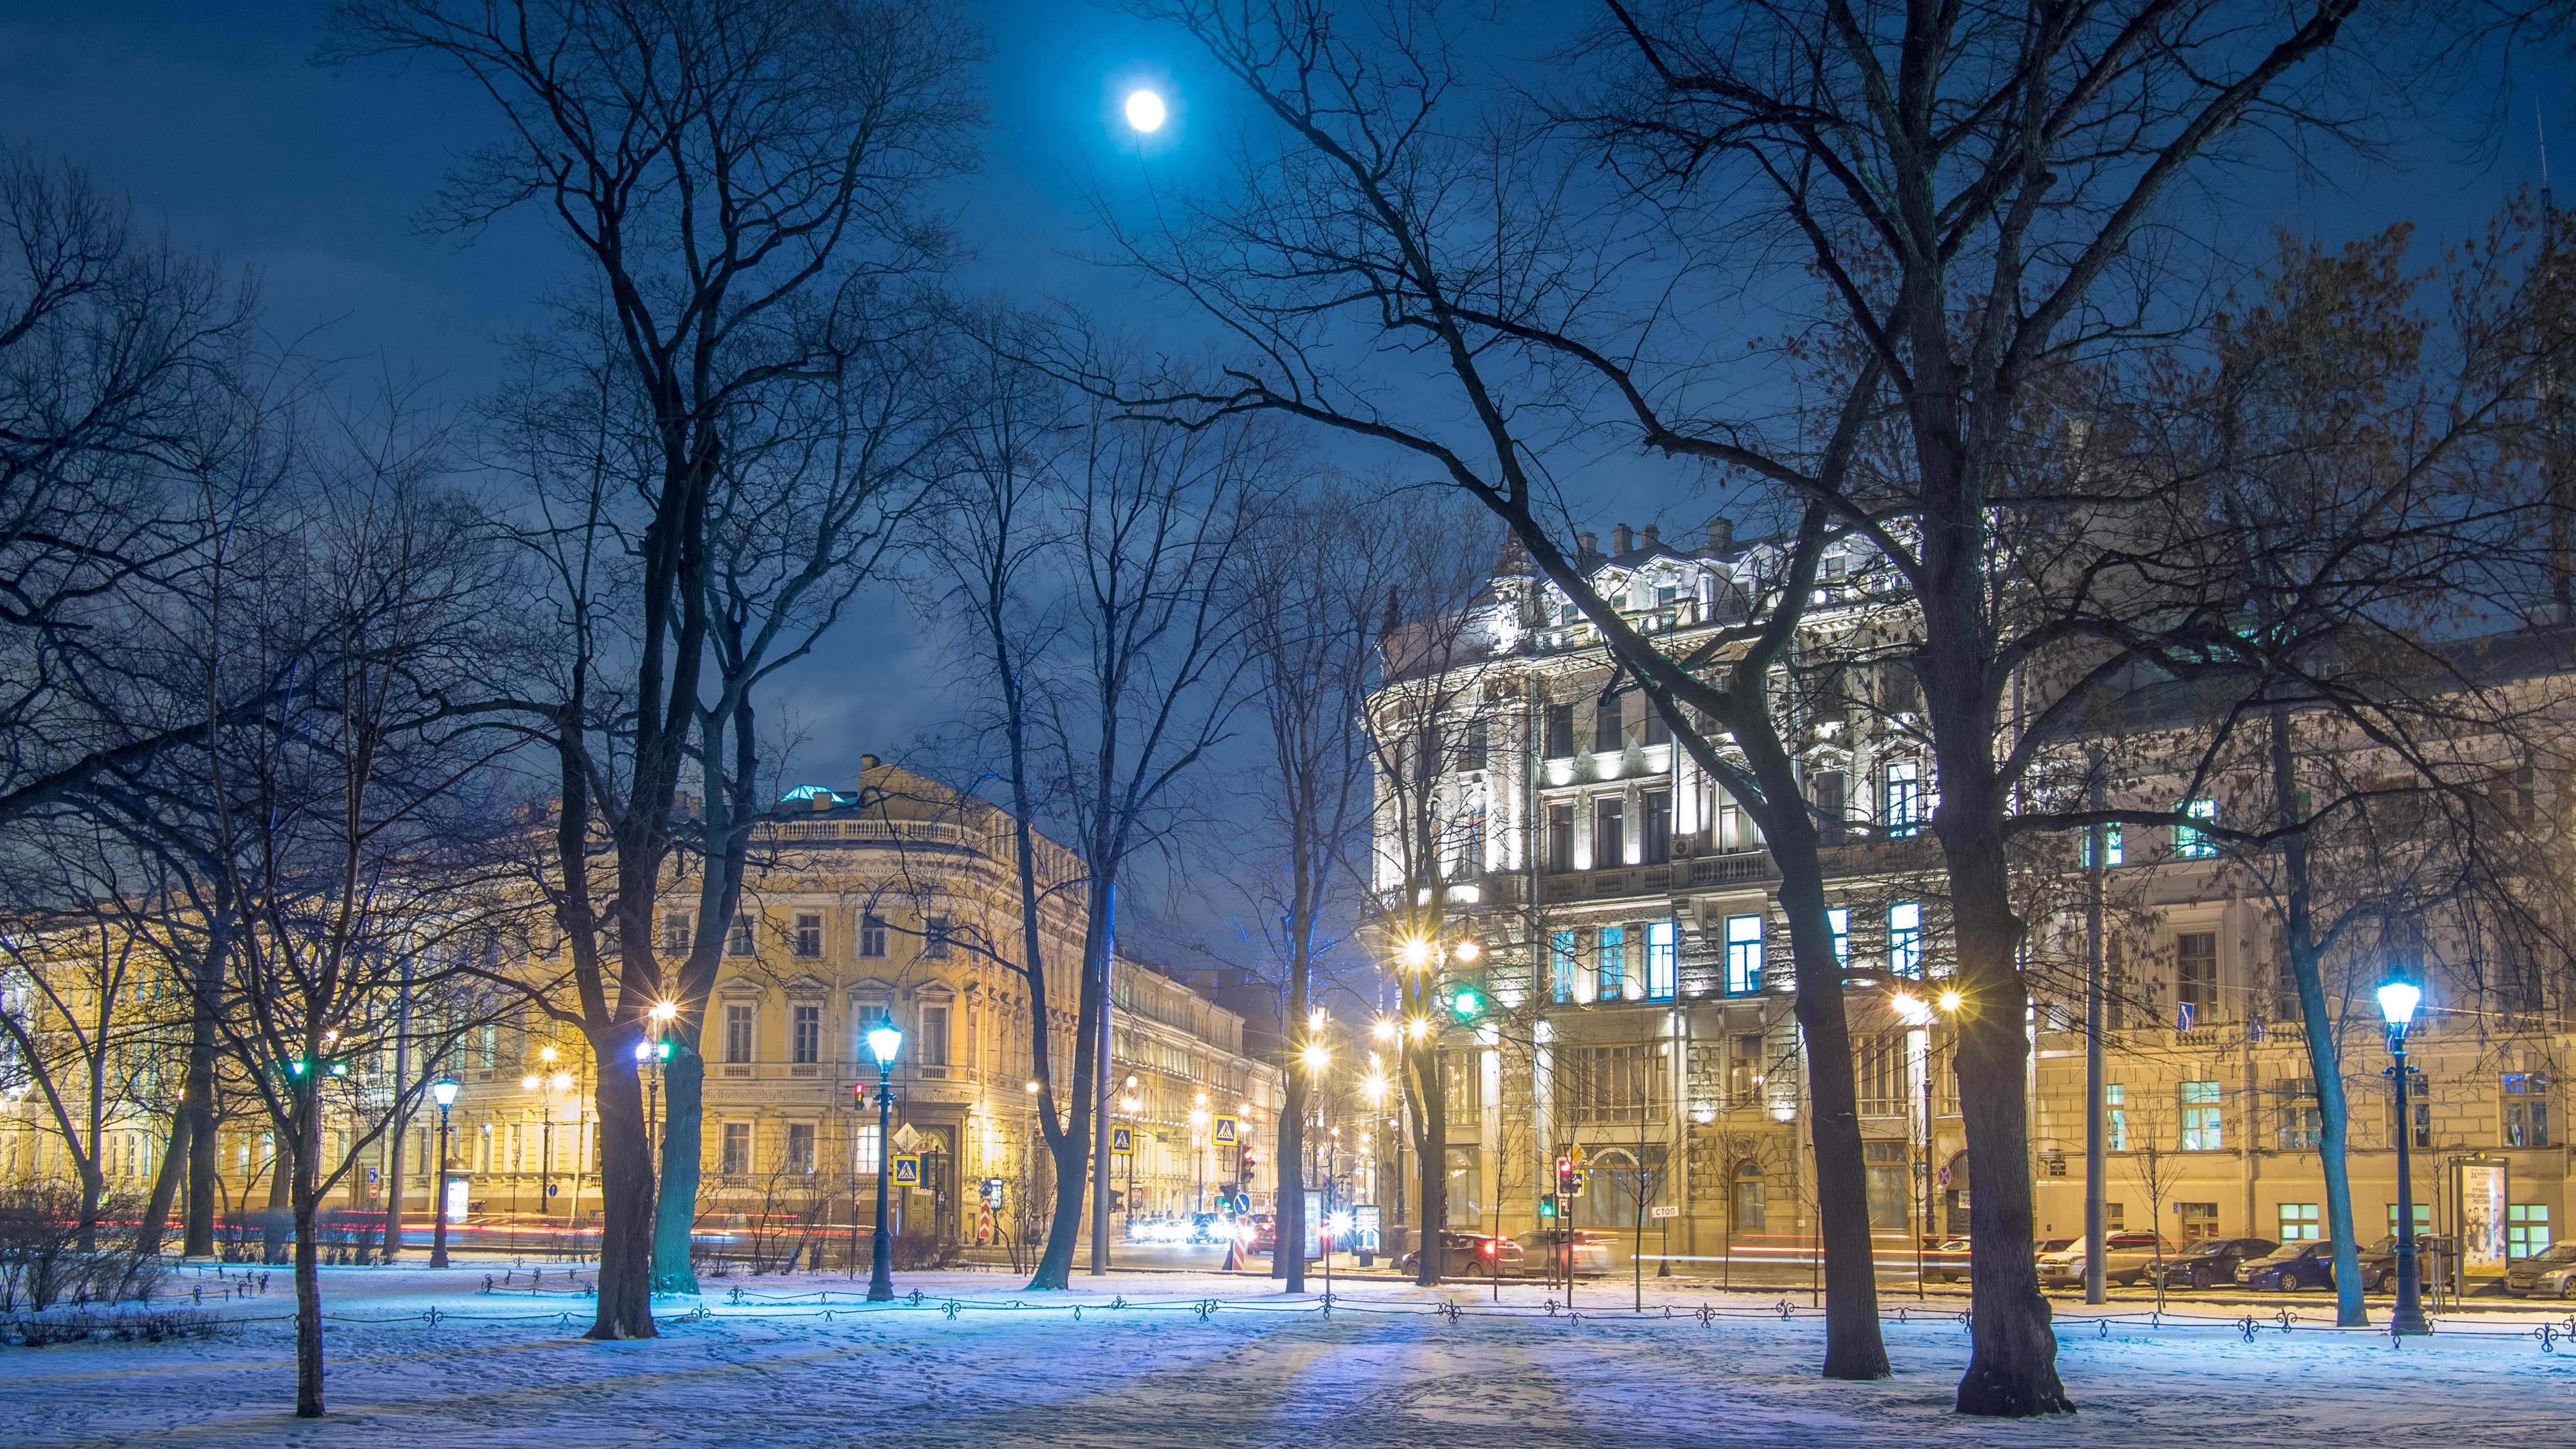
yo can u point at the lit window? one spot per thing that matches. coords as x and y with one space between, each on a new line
2112 851
2526 1109
1904 799
2191 844
1840 920
2201 1131
1905 939
2526 1229
2299 1223
1560 967
1743 955
2115 1118
1659 961
1613 962
865 1164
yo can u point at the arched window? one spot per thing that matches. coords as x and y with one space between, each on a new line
1749 1192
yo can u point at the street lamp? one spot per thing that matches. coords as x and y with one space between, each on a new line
2399 995
444 1090
882 1044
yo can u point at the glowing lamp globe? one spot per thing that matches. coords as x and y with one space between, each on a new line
1145 110
2397 1002
445 1092
882 1044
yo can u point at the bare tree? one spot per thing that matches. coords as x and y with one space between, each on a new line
737 175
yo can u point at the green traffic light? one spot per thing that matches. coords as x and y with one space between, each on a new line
1546 1208
1467 1004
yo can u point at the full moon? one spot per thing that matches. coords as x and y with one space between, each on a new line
1145 111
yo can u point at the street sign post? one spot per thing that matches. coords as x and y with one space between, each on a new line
1225 1132
1122 1140
907 1171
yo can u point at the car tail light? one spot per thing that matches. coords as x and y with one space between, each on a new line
1489 1250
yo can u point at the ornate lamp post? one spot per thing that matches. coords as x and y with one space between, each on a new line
445 1091
2399 995
882 1044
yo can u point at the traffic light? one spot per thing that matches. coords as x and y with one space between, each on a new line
1546 1209
1251 1155
1117 1201
1469 1003
1566 1176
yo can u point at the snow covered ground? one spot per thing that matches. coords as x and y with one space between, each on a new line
1387 1366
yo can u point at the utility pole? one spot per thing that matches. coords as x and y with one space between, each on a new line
2097 843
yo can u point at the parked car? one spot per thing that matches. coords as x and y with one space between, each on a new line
1591 1251
2042 1247
2436 1256
2552 1274
2294 1266
1471 1254
2213 1261
2126 1258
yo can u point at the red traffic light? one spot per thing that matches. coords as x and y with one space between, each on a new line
1565 1167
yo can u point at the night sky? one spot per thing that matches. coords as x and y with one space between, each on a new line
211 116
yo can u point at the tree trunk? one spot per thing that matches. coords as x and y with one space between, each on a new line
277 1226
1071 1152
1288 1242
299 1173
165 1186
1853 1346
684 1079
204 1166
2012 1363
2325 1060
1431 1147
625 1308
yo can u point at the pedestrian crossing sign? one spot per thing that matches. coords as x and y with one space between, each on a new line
1122 1139
1225 1132
907 1172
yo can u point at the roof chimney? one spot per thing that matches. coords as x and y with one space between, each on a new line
1587 547
1621 540
1721 534
1653 536
867 763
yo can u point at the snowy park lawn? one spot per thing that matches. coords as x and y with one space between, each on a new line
1387 1366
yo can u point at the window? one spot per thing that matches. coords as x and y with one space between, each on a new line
1560 967
872 935
933 1047
934 939
2423 1113
1878 1073
2526 1229
2303 1123
738 940
1478 747
1829 807
2196 973
1659 826
1560 731
737 1034
2199 1220
675 930
1905 939
800 1148
1840 920
1743 955
2200 1118
1464 1180
1657 732
2191 844
1612 961
1471 844
736 1158
808 1045
2526 1109
1748 1199
865 1158
2115 1118
1608 850
2112 852
2423 1218
1659 961
1903 808
1609 1084
1743 1070
1605 725
2299 1223
809 934
1560 837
